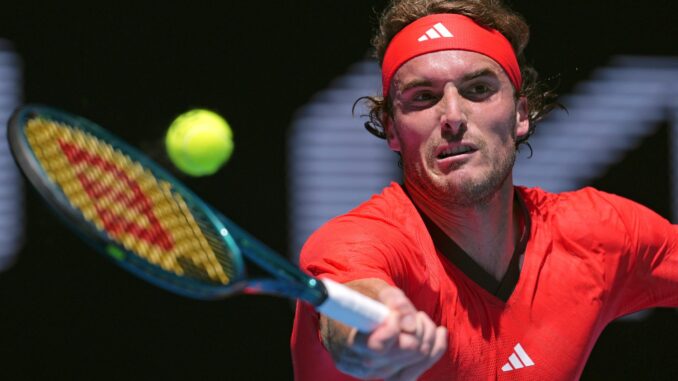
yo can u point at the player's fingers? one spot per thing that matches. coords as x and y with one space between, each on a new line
398 348
373 365
387 367
381 340
355 366
411 342
410 350
413 371
426 333
422 340
396 300
406 361
361 360
440 343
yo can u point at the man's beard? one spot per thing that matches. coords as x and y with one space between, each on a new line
466 193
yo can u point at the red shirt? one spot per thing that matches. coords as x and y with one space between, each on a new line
591 257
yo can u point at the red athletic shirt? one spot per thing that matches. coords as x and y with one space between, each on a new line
591 257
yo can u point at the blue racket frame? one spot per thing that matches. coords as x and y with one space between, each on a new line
287 279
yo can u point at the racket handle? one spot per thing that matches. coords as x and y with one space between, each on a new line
351 307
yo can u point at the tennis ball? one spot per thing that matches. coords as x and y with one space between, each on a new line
199 142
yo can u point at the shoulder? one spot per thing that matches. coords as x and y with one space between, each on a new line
367 238
590 212
585 203
385 212
582 213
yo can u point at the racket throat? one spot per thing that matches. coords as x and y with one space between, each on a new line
311 291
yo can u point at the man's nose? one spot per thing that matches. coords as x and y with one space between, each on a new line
453 116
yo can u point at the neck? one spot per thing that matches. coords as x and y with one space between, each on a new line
487 231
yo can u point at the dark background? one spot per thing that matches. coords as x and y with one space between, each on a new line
132 67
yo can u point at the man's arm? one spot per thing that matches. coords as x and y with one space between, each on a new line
402 348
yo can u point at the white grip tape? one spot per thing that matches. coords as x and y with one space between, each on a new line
351 307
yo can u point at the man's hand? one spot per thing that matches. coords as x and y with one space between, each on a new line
400 349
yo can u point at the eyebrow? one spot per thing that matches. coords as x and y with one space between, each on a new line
479 73
416 83
467 77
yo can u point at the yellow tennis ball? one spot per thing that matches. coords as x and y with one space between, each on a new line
199 142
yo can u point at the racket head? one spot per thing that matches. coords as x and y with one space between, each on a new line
125 205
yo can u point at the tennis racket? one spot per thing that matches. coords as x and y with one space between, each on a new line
146 221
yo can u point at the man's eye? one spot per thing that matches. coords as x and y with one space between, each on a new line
479 91
423 97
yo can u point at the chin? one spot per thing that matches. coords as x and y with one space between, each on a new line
468 189
464 186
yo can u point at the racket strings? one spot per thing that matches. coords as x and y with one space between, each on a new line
129 204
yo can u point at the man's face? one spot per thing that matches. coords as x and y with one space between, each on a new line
455 122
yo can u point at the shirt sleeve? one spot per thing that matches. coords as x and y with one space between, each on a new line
645 274
352 248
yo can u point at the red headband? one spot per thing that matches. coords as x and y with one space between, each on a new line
448 31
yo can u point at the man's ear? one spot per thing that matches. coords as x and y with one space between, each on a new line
522 118
391 135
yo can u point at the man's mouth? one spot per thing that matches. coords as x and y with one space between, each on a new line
455 151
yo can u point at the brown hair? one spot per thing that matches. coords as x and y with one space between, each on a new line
488 13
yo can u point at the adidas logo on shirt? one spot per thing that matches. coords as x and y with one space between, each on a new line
438 31
518 359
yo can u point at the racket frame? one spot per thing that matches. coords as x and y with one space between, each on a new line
333 299
61 206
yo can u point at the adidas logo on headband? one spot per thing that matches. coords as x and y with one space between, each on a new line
438 31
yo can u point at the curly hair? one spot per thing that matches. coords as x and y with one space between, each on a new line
488 13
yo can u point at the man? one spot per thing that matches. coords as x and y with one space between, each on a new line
485 280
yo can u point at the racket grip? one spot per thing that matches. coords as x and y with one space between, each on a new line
351 307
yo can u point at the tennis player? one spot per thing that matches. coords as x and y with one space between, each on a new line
486 280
